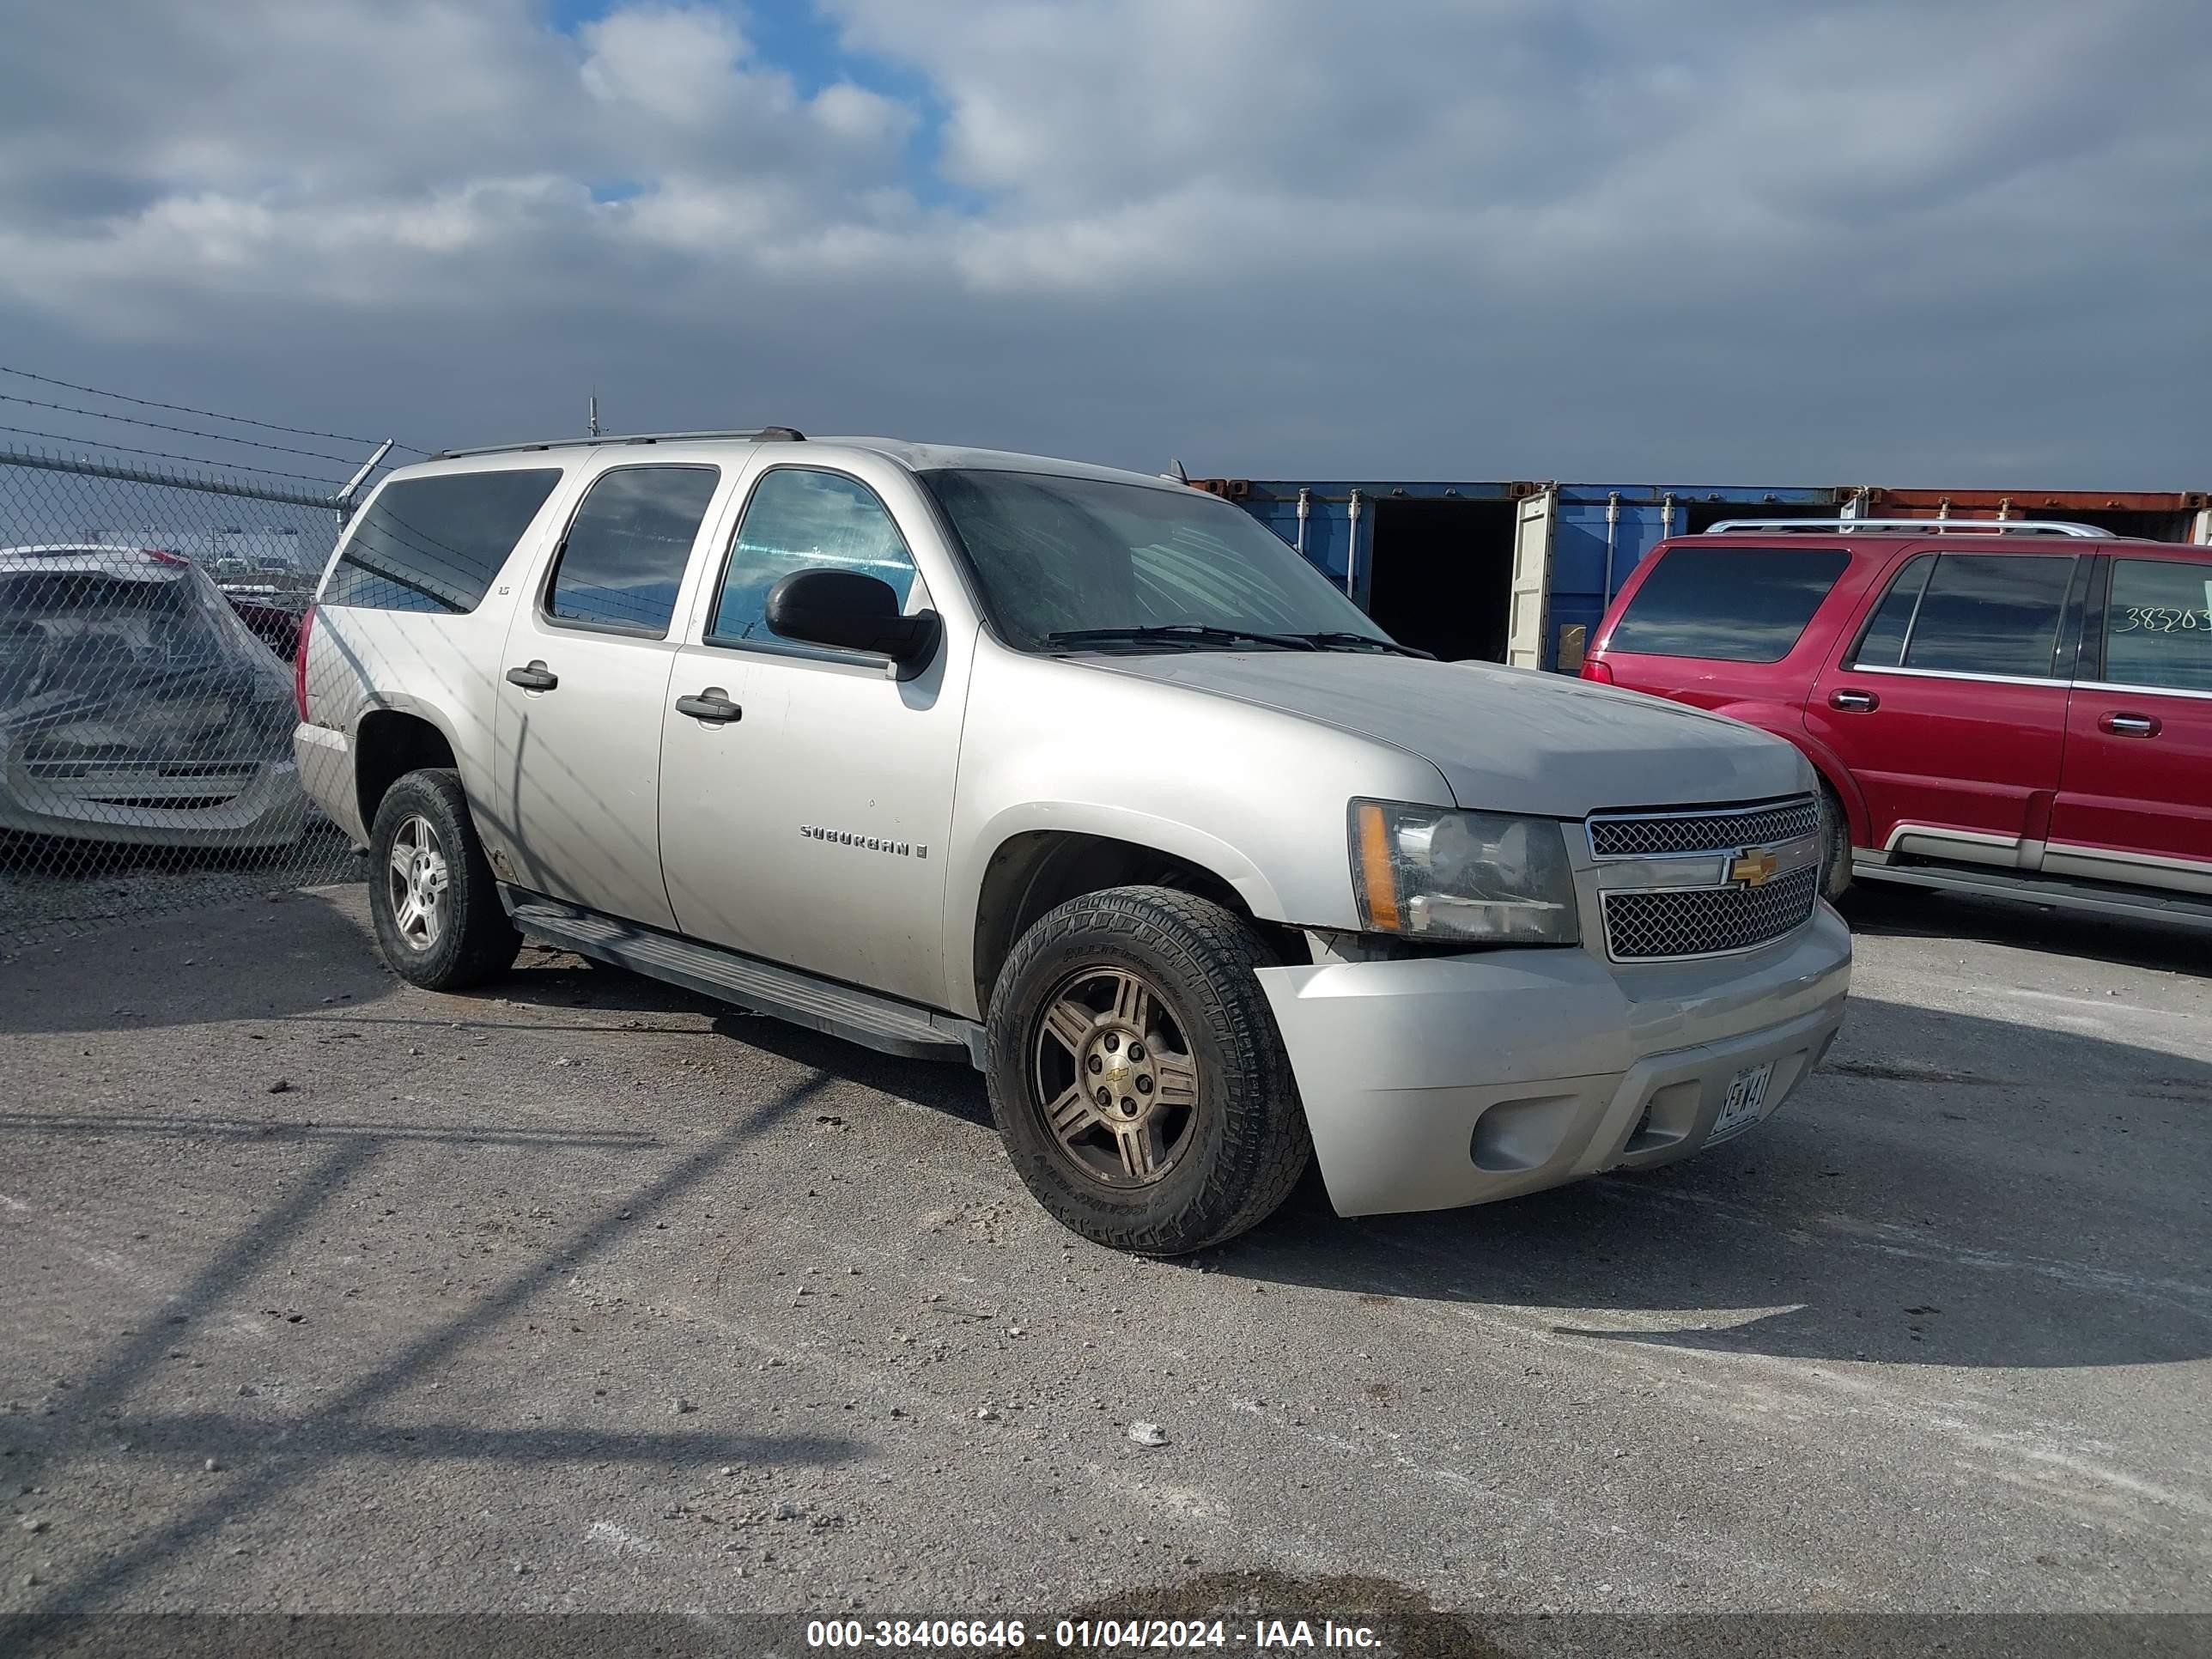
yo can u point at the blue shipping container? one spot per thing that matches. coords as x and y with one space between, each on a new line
1503 571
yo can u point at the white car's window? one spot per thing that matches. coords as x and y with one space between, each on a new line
802 518
436 542
2158 624
625 553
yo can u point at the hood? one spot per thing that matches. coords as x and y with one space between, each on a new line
1506 739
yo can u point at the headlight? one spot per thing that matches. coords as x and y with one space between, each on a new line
1426 872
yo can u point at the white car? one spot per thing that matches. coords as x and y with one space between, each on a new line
136 707
1084 777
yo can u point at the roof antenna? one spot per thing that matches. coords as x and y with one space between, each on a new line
1174 473
595 412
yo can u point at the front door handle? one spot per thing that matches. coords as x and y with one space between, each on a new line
1855 702
712 706
534 677
2129 725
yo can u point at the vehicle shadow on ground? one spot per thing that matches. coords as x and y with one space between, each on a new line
1896 1210
184 969
1921 1202
111 1401
1892 910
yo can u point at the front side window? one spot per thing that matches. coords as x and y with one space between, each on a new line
1058 556
435 543
802 519
2158 624
627 546
1971 613
1729 604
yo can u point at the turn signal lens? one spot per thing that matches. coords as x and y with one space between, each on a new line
1378 879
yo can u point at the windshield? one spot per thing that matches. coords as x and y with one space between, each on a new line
1058 557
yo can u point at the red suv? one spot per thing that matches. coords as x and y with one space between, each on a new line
2022 708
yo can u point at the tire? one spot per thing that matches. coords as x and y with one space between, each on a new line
463 937
1835 845
1219 1165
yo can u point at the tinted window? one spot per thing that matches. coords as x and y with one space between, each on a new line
1882 645
435 543
800 519
1732 603
1989 613
1059 554
627 546
2158 624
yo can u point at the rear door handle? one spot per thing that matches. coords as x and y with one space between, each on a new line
712 706
534 677
2129 725
1856 702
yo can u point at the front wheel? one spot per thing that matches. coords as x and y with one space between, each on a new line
1136 1074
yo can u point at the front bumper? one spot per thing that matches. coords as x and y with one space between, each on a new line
1438 1081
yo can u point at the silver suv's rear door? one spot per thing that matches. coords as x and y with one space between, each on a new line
582 686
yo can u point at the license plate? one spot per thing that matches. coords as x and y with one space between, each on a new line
1746 1098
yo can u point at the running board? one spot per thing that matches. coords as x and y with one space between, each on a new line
2043 889
820 1004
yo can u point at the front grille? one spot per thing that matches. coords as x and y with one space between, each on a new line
1648 836
1703 922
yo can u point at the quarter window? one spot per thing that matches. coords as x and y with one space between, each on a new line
2158 624
802 519
435 543
627 548
1729 604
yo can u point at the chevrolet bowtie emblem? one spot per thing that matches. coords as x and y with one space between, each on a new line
1754 868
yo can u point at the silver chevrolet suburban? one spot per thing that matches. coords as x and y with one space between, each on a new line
1081 776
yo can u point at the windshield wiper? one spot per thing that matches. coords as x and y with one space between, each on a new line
1178 634
1340 640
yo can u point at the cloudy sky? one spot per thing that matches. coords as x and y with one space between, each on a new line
1931 242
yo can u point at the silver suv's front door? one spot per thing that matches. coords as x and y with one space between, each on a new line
583 684
809 828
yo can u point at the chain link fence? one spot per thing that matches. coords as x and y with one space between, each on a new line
148 624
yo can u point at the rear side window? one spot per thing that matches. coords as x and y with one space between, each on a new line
2158 624
436 544
627 546
1729 603
1971 613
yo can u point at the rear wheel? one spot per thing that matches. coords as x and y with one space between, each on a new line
1136 1074
431 893
1835 845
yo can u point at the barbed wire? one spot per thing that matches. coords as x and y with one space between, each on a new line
76 442
164 426
206 414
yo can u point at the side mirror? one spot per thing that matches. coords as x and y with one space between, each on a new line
852 612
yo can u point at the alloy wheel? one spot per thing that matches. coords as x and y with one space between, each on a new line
416 882
1114 1078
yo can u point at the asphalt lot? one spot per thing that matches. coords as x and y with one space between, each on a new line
327 1294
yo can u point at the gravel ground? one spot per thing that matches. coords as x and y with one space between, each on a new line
326 1294
51 890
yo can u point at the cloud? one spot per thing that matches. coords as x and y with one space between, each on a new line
1861 240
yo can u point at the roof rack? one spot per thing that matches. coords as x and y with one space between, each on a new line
1957 527
765 434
